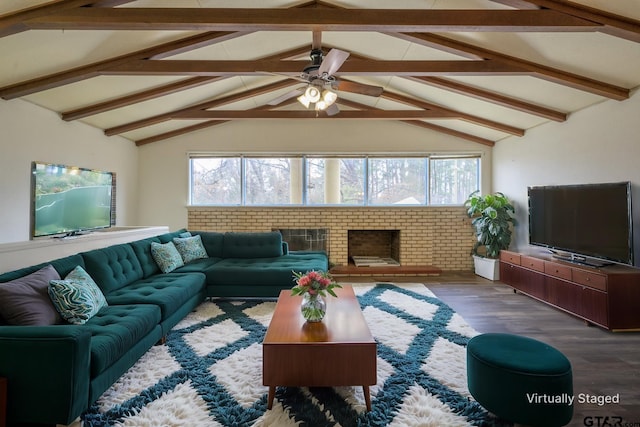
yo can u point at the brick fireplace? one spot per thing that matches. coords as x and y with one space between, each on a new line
435 236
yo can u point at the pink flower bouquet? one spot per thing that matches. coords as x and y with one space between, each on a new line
314 283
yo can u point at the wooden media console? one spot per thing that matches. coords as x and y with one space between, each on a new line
607 296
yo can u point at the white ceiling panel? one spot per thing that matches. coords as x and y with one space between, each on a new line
493 83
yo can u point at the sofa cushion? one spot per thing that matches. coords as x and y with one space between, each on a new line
116 329
168 237
276 271
190 248
166 256
113 267
62 265
252 245
77 298
142 249
212 241
25 301
167 291
204 265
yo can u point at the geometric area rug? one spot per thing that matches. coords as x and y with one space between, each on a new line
209 371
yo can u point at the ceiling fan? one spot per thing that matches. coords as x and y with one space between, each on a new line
321 84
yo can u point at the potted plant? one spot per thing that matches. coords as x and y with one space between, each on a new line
493 218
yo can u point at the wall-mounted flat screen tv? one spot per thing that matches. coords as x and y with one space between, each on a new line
587 221
68 200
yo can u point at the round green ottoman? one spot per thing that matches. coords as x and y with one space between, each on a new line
520 379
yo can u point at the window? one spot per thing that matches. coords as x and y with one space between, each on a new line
453 179
216 181
397 181
335 181
268 181
316 181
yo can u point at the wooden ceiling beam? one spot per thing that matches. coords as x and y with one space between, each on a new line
305 19
13 23
177 132
533 69
159 91
426 125
198 126
95 69
452 132
135 98
91 70
518 4
292 68
485 95
109 3
127 127
611 23
512 130
492 97
311 114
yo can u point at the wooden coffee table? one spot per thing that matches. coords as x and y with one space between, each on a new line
339 351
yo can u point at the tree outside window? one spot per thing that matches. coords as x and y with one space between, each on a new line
453 179
314 180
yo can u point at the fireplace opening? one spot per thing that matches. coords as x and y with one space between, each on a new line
372 248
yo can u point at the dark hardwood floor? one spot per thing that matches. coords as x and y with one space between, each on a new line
603 363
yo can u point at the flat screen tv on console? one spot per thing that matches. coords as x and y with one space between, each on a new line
589 223
67 200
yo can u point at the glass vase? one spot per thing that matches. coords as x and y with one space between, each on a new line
313 307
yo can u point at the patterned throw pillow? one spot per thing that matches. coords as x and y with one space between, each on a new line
166 256
77 298
190 248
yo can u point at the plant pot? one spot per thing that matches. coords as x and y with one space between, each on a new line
489 268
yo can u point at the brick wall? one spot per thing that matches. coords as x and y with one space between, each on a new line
438 236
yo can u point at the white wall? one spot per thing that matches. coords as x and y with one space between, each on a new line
31 133
598 144
164 168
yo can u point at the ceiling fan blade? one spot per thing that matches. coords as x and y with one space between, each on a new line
332 110
280 99
333 61
361 88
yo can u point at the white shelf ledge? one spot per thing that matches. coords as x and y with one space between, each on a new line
23 254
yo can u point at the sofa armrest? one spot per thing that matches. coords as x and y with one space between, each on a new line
285 248
46 366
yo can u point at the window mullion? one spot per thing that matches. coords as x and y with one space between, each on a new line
243 182
427 176
366 181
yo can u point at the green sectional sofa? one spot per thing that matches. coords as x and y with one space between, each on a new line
55 371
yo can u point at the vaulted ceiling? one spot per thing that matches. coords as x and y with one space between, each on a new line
481 70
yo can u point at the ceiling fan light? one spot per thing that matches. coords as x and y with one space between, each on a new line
329 97
312 94
304 100
321 105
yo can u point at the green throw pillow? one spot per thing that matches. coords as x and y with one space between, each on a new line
166 256
190 248
77 298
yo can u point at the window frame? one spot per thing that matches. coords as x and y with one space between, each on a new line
427 157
